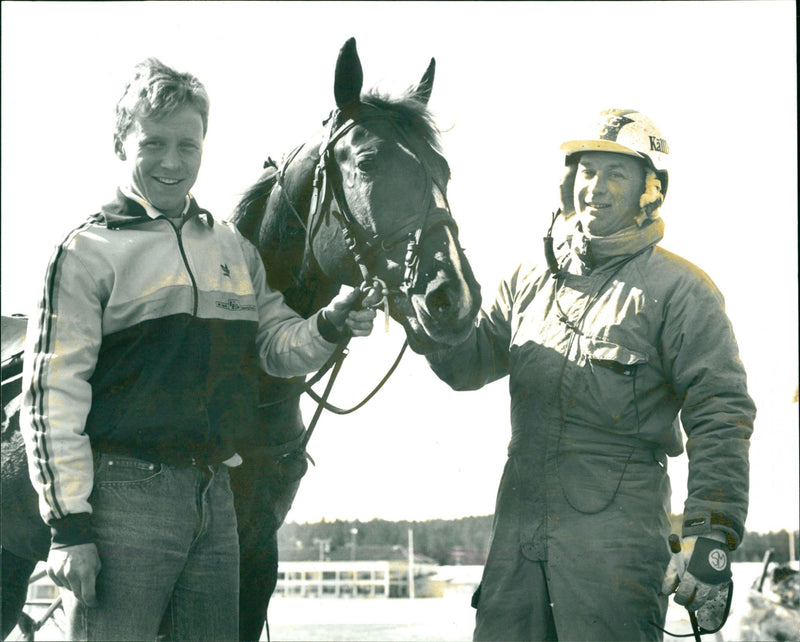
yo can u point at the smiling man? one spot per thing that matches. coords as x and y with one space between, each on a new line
139 376
164 158
608 187
605 341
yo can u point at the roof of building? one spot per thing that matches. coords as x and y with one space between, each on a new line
364 553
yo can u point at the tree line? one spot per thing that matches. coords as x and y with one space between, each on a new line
466 540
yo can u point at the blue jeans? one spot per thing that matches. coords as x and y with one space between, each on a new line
169 550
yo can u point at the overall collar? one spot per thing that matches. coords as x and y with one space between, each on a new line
594 251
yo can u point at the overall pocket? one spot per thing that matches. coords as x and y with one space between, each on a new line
609 392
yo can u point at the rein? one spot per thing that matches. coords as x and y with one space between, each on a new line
339 411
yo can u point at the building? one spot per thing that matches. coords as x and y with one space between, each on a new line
457 580
377 572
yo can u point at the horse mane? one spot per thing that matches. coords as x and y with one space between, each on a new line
250 208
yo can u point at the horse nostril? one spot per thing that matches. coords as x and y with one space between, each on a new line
438 303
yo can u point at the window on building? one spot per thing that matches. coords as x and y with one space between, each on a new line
42 592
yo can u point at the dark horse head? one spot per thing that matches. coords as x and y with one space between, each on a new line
366 200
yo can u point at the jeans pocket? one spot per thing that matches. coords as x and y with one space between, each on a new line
115 470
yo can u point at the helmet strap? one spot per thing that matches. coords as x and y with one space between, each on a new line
549 251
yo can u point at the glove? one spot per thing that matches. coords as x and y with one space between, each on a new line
699 571
712 616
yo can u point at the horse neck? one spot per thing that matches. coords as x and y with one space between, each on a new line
283 242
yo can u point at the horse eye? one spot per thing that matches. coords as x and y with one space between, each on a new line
365 165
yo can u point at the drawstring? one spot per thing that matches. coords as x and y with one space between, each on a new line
577 329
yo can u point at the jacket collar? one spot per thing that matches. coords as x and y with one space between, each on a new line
124 211
593 251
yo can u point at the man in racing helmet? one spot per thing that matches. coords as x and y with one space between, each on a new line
605 343
629 133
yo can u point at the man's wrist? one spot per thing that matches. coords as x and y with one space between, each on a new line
71 530
705 524
328 330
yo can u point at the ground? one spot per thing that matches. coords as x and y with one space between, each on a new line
448 618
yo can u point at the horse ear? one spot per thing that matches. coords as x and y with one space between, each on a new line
425 85
349 77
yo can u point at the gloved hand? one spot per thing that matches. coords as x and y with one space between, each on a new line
347 312
75 568
699 571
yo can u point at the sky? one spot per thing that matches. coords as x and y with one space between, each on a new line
513 81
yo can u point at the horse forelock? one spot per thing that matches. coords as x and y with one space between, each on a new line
409 113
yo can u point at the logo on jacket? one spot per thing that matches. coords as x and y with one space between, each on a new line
226 271
233 305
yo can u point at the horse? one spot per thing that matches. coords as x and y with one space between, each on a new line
364 201
25 538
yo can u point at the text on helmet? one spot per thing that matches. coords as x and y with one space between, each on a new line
658 145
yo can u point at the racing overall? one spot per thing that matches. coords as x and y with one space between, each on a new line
601 359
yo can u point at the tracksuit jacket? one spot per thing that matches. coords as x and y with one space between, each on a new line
145 343
600 362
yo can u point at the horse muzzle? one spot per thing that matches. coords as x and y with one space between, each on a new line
443 313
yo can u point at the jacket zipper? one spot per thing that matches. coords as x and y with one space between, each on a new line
195 296
179 235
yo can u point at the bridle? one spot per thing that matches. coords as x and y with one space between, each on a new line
328 199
